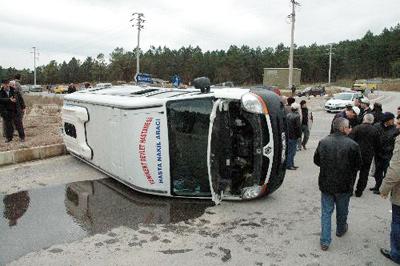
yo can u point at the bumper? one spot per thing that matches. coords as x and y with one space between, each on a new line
334 108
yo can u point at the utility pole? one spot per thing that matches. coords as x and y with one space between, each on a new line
139 19
330 64
35 56
292 16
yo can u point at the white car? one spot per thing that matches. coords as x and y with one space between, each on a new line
341 100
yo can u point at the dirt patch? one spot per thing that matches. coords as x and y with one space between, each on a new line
42 124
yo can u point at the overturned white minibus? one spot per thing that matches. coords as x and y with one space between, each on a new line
226 143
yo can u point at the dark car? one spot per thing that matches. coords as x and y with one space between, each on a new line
312 91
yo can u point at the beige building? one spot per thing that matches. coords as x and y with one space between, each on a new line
280 77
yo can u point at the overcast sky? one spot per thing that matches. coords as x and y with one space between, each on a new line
61 29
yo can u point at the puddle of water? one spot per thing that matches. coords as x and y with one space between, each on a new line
36 219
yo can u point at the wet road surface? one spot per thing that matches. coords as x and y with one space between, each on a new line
39 218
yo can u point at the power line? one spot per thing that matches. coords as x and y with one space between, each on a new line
138 18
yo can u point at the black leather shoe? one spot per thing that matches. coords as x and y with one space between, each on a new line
358 194
372 188
291 168
8 140
386 253
376 192
344 232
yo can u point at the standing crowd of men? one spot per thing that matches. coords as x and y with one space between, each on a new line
360 136
12 108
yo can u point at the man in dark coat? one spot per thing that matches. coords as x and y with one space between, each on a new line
306 121
294 133
288 106
350 113
12 112
367 137
339 159
388 132
377 112
71 88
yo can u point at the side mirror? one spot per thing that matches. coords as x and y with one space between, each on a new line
202 83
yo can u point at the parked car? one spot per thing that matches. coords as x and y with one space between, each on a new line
25 88
221 143
312 91
103 85
60 89
35 88
339 101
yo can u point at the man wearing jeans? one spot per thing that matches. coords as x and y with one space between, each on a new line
391 183
339 159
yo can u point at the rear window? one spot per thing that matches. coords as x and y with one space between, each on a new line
70 130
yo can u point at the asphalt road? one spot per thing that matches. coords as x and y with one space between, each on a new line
70 214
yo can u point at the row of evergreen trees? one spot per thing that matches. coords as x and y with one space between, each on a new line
371 56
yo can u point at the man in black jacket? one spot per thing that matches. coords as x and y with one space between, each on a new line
12 111
367 137
294 133
339 159
377 112
350 113
306 121
388 133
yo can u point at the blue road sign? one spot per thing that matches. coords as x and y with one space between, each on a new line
143 78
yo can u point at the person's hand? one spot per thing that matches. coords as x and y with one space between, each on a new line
384 196
13 99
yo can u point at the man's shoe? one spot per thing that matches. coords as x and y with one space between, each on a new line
304 147
358 194
376 192
372 188
344 232
8 140
21 140
324 247
386 253
295 166
291 168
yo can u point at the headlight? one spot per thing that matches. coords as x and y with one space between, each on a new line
254 104
252 192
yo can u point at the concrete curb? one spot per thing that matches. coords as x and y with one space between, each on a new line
30 154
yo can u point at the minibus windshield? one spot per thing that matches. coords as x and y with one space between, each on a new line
188 126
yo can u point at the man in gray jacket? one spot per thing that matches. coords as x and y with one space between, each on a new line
391 183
